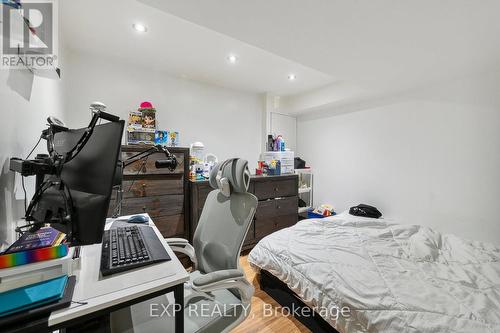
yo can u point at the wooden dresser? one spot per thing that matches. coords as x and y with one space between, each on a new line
277 208
161 193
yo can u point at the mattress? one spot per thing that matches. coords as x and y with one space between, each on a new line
369 275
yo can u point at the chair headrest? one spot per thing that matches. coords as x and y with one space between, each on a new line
231 176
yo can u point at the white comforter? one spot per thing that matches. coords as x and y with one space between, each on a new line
393 278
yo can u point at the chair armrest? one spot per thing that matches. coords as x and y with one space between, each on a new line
218 276
225 279
177 241
181 245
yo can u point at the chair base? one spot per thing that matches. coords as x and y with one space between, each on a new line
218 311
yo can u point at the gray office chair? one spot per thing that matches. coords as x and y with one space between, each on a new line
217 283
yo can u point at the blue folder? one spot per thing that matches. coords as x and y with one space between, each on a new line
32 296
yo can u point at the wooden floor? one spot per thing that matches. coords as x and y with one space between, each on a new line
256 322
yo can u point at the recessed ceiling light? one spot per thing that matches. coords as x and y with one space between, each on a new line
292 77
232 58
140 27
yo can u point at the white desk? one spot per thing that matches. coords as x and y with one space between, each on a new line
98 296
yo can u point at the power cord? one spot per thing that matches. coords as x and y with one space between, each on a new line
25 196
32 150
22 177
117 207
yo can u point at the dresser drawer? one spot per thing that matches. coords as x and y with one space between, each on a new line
266 226
170 225
155 206
146 166
203 192
151 187
277 207
275 188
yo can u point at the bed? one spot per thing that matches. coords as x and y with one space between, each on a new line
387 277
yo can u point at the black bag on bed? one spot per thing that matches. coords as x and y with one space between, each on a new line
365 211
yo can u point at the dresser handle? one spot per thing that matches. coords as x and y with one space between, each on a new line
143 190
275 189
143 167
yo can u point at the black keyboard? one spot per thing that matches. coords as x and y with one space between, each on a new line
126 248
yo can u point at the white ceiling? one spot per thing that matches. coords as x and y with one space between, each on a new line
179 47
340 50
378 45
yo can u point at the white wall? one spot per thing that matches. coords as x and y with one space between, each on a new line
26 101
285 125
23 121
228 122
429 157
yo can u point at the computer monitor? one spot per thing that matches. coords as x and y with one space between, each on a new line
89 179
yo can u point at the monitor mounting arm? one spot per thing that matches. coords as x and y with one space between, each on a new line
170 162
146 153
52 165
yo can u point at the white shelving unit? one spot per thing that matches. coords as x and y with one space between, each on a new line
305 188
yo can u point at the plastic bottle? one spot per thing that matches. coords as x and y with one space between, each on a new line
277 147
270 143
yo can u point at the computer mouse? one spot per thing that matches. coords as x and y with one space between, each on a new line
138 219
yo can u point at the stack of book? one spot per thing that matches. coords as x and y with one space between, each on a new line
29 290
43 244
